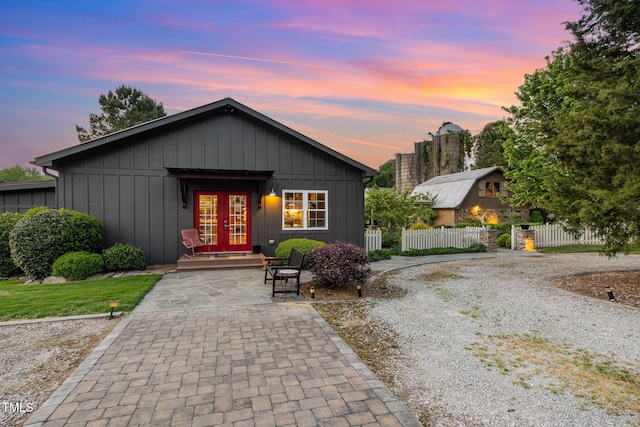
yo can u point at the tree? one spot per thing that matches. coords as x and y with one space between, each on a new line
488 144
577 142
386 177
392 211
126 107
529 165
21 174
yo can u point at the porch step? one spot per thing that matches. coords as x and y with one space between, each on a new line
214 261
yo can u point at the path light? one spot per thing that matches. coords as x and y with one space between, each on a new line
312 292
609 293
359 288
113 304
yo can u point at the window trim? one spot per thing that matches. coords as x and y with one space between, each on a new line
305 209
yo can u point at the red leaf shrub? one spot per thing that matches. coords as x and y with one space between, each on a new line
338 264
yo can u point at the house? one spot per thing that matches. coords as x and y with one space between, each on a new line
470 196
22 196
245 181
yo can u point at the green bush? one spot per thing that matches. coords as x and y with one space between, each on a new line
434 251
338 264
391 239
283 250
84 233
120 257
37 241
477 247
8 220
78 265
40 238
536 217
504 240
420 226
379 255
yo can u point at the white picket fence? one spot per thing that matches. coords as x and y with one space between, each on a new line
440 238
372 239
428 239
546 236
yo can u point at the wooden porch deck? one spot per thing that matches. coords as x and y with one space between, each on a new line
220 260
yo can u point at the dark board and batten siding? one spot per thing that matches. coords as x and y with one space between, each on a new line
20 197
125 182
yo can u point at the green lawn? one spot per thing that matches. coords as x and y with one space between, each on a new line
19 301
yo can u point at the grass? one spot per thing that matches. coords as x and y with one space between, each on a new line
19 301
599 380
571 249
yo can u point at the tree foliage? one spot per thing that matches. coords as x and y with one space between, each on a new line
125 107
392 211
20 174
577 143
488 144
386 177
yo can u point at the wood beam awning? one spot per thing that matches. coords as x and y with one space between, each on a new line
184 174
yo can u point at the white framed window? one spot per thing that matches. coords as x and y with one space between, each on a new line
305 210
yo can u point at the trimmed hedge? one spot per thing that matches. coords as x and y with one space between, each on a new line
283 250
39 239
338 264
8 220
121 257
78 265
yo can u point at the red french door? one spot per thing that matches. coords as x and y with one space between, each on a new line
223 217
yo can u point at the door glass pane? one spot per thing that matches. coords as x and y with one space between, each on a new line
208 217
237 220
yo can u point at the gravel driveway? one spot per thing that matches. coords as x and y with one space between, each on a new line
493 343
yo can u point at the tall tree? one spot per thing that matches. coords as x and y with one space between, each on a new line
386 177
578 127
125 107
529 164
19 174
488 144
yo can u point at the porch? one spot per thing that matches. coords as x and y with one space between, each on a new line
211 261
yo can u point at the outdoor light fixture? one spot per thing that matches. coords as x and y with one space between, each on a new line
113 304
609 293
312 292
359 287
272 192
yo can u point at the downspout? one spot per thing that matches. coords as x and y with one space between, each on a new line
47 173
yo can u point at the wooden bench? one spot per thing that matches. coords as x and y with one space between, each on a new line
284 269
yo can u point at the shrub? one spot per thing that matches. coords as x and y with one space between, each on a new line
504 240
477 247
391 239
337 264
8 220
84 232
283 250
536 217
420 226
40 238
120 257
78 265
379 255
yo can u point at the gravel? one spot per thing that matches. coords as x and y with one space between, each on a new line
462 326
37 357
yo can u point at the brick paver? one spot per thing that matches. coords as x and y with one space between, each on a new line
258 365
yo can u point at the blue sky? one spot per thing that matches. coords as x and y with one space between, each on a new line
366 78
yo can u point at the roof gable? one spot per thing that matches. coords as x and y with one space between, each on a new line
450 190
224 106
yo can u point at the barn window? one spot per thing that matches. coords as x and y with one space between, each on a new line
488 189
304 209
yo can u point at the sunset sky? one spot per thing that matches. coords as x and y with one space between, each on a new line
364 77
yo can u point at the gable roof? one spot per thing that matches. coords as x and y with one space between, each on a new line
450 190
227 105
